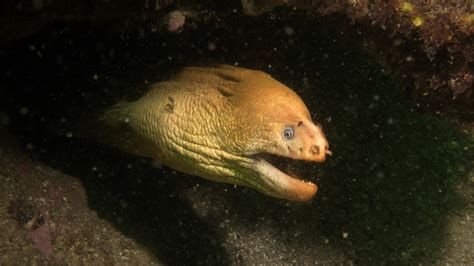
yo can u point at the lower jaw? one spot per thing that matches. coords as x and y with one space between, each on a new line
282 185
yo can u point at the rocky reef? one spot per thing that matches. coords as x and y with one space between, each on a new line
428 44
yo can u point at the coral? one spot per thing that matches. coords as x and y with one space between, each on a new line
36 222
175 21
26 214
42 239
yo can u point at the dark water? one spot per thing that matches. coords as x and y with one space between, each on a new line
384 196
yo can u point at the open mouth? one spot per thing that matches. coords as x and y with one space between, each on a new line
282 179
287 165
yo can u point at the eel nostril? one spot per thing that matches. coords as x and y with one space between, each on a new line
315 149
328 152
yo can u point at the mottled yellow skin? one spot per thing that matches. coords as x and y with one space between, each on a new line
214 122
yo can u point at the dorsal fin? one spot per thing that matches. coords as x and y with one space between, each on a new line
222 73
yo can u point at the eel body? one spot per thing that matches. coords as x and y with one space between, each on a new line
222 124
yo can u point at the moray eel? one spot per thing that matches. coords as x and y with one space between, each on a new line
223 124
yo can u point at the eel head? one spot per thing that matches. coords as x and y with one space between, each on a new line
272 162
302 140
275 128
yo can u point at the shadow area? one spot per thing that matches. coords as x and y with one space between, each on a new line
387 193
142 202
72 78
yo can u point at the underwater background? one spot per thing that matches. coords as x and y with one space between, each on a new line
398 189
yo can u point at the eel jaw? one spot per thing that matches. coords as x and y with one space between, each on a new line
278 184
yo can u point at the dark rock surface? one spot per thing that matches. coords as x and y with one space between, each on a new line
428 44
45 218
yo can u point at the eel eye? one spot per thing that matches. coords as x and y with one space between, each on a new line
288 133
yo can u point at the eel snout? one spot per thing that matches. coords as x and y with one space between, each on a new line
317 145
310 143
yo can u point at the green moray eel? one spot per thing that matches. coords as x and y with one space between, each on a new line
223 124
